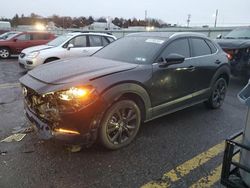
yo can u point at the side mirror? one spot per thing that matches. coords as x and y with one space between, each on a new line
15 39
219 36
173 59
70 46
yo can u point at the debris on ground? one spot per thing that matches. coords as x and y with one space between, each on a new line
23 130
74 148
29 151
3 152
15 137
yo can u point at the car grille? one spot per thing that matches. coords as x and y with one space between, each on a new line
40 105
22 55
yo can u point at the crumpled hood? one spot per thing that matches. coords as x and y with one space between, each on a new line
233 43
78 69
36 48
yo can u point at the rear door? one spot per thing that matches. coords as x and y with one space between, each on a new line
39 38
205 61
96 42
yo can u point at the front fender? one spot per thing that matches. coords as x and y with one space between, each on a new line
115 92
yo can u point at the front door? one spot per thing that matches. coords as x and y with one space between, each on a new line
172 86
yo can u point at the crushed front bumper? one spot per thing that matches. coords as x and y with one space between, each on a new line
87 127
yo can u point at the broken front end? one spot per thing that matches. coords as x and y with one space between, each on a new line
70 114
240 61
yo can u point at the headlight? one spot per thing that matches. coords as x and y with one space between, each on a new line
33 55
76 98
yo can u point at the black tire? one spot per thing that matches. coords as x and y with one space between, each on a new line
50 59
218 94
4 52
120 124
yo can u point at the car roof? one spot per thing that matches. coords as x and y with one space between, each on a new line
167 35
90 33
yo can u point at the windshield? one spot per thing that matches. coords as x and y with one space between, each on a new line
59 40
239 33
138 50
8 35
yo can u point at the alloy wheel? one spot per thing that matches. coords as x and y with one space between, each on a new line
219 93
4 53
122 124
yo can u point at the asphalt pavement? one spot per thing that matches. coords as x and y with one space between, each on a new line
183 149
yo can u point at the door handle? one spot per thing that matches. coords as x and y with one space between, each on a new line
217 62
191 68
85 51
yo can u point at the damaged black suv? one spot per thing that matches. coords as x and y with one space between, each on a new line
133 80
237 46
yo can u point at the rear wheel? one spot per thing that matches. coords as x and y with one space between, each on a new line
120 124
218 94
4 53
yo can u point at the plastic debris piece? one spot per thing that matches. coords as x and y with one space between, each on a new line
3 152
15 137
74 148
23 130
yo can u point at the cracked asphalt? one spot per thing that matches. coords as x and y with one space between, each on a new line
160 146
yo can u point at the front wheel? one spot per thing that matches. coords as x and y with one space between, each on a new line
218 94
120 124
4 53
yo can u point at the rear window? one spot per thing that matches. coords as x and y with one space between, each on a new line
212 46
200 47
95 40
40 36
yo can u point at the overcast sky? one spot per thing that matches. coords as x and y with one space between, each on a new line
174 11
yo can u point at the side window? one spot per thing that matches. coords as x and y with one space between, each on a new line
79 41
179 46
39 36
200 47
105 41
95 40
23 37
212 46
111 39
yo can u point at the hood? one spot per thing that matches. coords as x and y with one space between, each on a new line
233 43
72 70
36 48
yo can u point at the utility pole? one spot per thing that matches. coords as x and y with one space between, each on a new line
216 17
188 20
146 18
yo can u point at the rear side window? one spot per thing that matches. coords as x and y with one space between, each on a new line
40 36
105 41
212 46
111 39
95 40
179 46
199 47
24 37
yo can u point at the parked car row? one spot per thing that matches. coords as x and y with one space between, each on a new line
17 41
65 46
132 80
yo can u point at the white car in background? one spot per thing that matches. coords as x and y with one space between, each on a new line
75 44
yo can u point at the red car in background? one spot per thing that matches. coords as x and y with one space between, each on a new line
16 43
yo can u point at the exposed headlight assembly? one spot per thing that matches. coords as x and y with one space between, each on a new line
75 98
